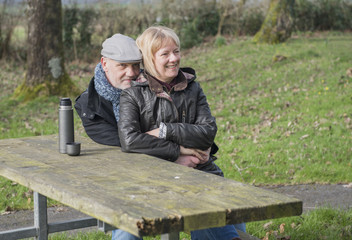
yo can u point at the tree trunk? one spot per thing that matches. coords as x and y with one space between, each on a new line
278 23
45 54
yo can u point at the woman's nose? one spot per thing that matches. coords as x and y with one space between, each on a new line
174 57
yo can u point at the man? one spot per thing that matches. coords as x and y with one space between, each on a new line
98 106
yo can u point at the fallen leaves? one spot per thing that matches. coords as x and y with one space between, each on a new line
304 136
349 72
278 234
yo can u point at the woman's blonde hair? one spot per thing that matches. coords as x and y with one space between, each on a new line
151 41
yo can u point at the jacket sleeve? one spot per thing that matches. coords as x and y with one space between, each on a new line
199 134
98 129
133 140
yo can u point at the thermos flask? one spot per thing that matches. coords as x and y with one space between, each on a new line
66 128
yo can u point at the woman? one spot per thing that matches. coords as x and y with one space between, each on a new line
165 113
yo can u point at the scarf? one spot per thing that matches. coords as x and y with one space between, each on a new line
106 90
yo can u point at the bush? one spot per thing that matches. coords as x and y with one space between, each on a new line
220 41
70 21
192 20
313 15
189 35
251 21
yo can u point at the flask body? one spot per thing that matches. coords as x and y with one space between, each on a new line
66 126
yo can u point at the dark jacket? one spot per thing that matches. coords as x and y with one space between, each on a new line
184 110
97 116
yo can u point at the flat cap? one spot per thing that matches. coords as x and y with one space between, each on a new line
121 48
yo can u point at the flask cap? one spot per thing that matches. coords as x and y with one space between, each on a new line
65 102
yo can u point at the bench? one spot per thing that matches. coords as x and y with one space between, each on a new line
139 194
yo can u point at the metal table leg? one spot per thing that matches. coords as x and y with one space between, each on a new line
170 236
40 216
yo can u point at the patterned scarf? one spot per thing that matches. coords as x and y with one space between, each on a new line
106 90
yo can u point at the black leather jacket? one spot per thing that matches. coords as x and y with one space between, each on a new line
184 110
97 117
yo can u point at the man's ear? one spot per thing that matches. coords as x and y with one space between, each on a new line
103 63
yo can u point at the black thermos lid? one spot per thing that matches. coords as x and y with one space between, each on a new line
65 102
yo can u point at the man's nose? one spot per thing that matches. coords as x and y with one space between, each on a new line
131 72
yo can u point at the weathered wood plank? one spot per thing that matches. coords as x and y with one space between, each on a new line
140 194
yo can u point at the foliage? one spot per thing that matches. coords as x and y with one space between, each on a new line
70 19
10 16
87 26
189 35
312 15
220 41
251 21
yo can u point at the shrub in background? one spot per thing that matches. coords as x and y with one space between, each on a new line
85 26
251 21
314 15
70 20
189 35
219 41
88 26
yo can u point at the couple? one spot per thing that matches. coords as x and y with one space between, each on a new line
160 111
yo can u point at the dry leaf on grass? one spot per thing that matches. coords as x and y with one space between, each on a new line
282 227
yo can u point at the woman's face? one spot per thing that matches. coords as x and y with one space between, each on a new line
167 61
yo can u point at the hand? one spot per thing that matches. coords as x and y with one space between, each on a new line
203 156
206 154
154 132
188 161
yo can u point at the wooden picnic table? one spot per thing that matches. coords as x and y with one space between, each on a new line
134 192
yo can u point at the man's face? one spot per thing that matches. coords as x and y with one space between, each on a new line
119 74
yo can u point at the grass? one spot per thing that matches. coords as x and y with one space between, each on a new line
283 113
323 223
281 122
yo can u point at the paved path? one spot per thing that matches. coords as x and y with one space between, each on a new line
313 196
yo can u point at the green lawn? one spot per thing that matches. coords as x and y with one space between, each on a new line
283 113
281 122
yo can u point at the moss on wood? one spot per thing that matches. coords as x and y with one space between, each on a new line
278 23
60 87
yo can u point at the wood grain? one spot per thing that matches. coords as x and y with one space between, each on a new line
134 192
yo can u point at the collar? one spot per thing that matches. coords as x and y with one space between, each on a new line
180 83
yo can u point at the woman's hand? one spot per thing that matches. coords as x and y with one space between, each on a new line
154 132
188 161
203 156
